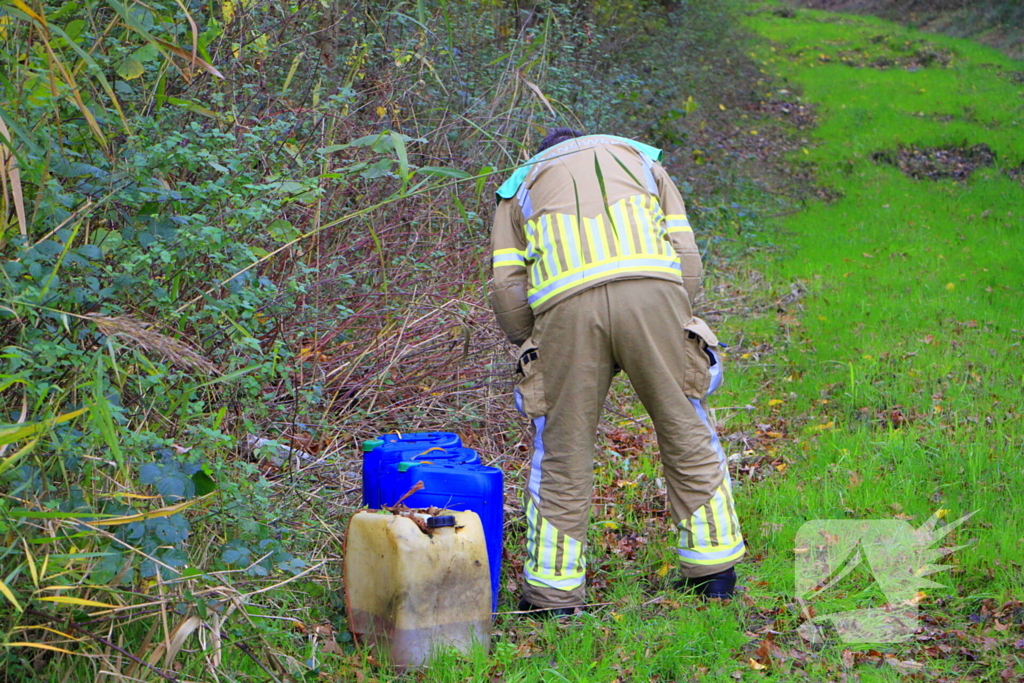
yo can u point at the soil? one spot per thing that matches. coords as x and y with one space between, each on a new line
935 163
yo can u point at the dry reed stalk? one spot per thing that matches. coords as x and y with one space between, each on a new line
174 350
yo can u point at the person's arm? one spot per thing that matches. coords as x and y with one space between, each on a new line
511 282
679 231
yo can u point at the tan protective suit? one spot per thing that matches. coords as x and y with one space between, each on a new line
595 268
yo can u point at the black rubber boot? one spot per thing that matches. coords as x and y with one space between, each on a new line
544 612
720 586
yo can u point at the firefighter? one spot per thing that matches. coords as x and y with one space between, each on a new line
596 269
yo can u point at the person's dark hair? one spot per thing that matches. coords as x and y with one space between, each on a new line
557 136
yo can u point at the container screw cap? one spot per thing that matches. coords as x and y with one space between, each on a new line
371 444
440 520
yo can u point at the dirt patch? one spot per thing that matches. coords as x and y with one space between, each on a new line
918 56
1016 173
883 53
800 116
935 163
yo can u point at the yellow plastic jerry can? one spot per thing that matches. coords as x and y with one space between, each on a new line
413 587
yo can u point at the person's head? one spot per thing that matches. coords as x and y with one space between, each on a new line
557 136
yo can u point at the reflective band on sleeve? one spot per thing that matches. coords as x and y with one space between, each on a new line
677 222
524 201
509 257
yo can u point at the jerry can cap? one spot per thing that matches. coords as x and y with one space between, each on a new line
371 444
440 520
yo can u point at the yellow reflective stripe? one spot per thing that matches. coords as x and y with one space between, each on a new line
569 242
672 270
623 231
714 555
677 222
720 517
542 553
600 227
509 257
701 529
734 523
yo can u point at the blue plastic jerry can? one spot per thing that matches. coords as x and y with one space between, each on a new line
383 454
454 486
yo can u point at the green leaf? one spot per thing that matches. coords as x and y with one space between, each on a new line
282 230
130 68
378 170
403 156
204 483
147 53
103 418
444 172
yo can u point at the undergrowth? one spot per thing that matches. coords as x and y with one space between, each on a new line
239 238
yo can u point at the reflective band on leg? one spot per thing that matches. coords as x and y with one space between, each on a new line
716 371
715 443
538 458
713 555
696 544
553 559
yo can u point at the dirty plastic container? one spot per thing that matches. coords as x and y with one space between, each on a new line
454 486
381 455
410 591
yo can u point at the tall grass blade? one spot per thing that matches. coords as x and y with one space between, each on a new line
11 460
41 646
10 173
102 417
12 433
7 593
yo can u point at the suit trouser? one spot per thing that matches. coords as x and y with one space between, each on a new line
644 326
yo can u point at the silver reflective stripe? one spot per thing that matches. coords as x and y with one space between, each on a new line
538 458
715 443
719 555
716 371
652 185
524 201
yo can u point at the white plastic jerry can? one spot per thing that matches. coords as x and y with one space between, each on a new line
412 589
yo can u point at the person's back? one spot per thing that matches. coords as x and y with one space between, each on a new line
587 211
595 270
